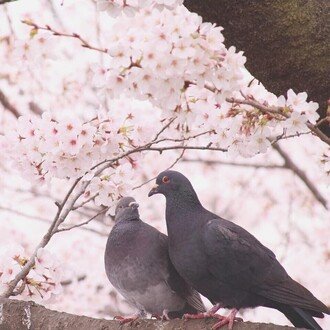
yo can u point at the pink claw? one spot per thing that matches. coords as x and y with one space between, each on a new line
230 319
210 313
128 319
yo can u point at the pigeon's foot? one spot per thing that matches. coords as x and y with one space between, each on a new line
165 316
157 317
129 319
210 313
230 319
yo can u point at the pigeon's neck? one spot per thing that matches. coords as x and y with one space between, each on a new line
132 217
182 208
186 198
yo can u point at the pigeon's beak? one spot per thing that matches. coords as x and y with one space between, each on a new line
154 190
134 205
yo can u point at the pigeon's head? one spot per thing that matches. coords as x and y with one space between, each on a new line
172 183
127 209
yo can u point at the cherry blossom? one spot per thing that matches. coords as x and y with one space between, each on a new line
43 280
162 63
130 7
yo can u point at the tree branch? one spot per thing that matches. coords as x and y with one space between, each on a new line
38 218
79 279
281 112
14 312
58 219
171 166
84 202
82 223
288 162
2 2
299 27
35 108
68 203
84 43
7 105
226 163
288 165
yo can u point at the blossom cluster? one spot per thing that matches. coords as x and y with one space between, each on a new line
178 64
43 280
130 7
46 147
54 146
35 51
287 116
181 65
158 55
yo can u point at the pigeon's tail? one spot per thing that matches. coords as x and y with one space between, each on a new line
299 318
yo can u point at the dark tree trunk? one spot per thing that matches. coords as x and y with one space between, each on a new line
286 42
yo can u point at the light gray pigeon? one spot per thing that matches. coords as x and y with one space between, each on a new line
138 266
225 263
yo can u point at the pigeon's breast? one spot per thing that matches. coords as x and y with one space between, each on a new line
131 279
155 299
189 260
136 263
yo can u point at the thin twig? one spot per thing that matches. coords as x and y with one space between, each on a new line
79 279
171 166
285 137
10 22
263 108
44 241
7 105
288 162
66 206
20 289
84 202
38 218
226 163
163 129
25 215
82 223
84 43
279 111
6 1
322 121
35 108
185 138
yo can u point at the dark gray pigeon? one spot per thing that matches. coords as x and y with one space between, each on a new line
138 266
225 263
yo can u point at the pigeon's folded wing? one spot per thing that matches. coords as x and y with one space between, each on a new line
235 256
177 284
238 259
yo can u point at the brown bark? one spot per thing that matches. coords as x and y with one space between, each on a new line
17 315
5 1
286 42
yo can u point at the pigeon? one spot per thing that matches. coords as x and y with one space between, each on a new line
138 266
225 263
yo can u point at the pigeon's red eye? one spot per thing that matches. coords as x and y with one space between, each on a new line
165 179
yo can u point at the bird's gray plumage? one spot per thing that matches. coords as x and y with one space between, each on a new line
138 266
226 263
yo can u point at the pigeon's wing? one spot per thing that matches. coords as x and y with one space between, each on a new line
240 260
154 247
177 284
184 290
235 256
